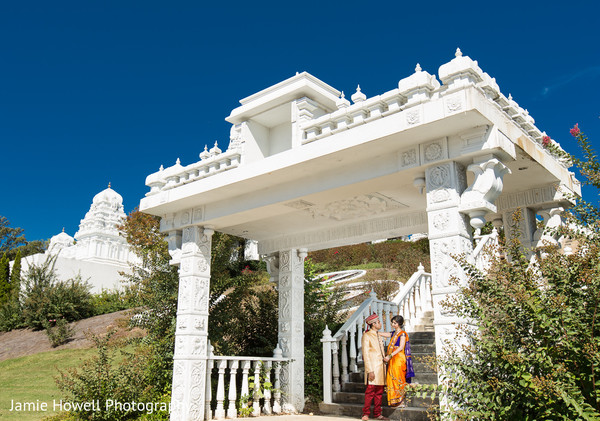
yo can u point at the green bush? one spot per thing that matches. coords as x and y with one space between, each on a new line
532 352
59 331
45 297
109 377
109 301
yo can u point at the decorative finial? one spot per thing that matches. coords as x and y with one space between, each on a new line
63 229
109 184
418 68
342 102
215 149
178 162
205 154
297 73
161 168
358 95
458 53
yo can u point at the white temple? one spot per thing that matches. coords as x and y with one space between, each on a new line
306 169
97 252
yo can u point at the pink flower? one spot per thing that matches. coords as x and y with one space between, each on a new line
546 140
575 130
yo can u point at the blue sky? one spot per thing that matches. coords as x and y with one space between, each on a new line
93 92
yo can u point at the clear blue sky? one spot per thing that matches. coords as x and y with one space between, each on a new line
97 91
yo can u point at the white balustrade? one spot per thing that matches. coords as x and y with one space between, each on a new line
229 392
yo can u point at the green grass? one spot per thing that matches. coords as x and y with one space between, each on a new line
365 266
31 379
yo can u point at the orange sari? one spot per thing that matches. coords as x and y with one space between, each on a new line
396 374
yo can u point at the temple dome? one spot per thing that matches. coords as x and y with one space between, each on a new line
108 195
61 242
62 239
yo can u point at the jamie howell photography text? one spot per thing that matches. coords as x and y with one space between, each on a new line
90 406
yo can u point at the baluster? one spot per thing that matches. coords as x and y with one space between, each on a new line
231 410
277 391
256 391
419 299
359 325
345 376
411 310
245 393
429 293
267 388
210 363
380 311
386 312
336 368
406 311
220 411
353 366
327 352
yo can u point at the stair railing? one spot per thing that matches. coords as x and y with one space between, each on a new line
345 346
415 299
485 242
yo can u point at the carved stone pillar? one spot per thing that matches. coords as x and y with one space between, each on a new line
449 234
291 327
191 335
552 219
522 229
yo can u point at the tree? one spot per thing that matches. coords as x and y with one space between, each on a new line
533 350
154 284
4 279
12 239
15 275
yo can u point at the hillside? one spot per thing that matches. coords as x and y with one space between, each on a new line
22 342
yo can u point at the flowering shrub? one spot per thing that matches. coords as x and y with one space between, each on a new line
532 352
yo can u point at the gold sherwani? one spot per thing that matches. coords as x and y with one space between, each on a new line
372 350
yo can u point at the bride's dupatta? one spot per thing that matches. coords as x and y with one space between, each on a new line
396 374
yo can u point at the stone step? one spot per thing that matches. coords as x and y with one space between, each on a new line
355 410
355 397
422 348
419 366
359 386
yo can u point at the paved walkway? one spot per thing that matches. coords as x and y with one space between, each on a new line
299 417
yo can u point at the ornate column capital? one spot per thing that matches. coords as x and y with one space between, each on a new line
478 199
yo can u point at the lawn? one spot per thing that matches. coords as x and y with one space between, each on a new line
31 379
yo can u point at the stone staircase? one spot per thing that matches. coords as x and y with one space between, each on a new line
349 401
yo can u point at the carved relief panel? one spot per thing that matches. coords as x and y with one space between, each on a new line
445 182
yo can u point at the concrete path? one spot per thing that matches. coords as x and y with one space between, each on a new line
299 417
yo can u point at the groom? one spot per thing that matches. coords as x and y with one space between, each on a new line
373 357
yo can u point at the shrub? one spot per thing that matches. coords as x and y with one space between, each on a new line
109 301
105 378
45 298
59 331
533 350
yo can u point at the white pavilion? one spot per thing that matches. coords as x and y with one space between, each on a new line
307 169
